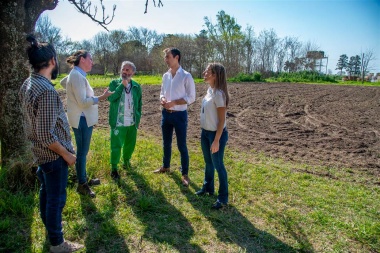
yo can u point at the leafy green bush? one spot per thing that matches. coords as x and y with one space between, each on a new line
241 77
303 77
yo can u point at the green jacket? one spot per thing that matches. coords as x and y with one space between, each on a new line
118 88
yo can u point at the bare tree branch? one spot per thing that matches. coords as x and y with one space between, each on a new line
367 57
160 4
84 6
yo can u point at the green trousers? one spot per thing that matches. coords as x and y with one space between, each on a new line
122 137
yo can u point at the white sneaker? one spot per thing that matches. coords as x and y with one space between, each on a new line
66 247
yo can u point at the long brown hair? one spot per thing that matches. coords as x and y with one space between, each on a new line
220 78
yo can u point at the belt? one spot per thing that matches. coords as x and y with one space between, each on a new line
171 111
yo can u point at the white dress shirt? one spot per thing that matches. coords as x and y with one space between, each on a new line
181 86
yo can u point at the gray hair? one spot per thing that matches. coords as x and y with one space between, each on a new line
130 64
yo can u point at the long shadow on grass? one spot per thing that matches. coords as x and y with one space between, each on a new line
102 232
232 226
164 224
291 227
16 212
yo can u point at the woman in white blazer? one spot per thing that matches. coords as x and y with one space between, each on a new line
82 111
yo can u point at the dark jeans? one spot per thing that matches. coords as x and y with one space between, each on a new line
175 121
215 162
82 139
53 177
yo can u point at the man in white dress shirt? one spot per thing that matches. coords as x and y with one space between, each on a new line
177 92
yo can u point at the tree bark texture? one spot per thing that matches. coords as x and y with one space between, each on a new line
17 19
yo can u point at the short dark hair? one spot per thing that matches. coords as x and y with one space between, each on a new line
39 53
174 51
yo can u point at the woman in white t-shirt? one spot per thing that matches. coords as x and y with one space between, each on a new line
214 134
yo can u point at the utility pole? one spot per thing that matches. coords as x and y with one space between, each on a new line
362 68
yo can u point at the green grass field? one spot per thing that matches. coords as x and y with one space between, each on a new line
101 81
274 207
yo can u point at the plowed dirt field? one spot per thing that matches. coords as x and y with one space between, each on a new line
329 125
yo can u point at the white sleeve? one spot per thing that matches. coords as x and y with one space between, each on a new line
190 89
220 99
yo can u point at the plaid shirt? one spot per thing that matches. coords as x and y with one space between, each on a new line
45 119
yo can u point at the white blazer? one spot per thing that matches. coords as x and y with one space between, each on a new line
79 99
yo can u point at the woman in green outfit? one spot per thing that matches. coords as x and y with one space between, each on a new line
124 116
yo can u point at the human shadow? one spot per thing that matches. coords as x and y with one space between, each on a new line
102 234
291 227
16 212
164 224
232 226
17 189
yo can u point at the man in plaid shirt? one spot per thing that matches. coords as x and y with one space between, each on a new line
47 128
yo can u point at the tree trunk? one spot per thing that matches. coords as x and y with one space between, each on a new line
17 19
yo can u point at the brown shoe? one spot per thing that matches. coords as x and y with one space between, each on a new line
185 180
66 247
162 170
84 189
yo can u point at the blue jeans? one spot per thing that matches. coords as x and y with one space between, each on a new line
82 139
175 121
215 162
53 177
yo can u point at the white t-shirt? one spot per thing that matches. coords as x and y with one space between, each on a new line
125 113
209 115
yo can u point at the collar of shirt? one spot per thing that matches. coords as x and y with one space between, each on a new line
178 71
128 88
37 75
80 71
210 90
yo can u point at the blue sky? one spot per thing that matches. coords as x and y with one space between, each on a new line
335 26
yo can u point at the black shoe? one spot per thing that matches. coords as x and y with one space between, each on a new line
115 175
94 181
84 189
218 205
202 192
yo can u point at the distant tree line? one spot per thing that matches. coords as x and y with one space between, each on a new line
356 66
240 50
